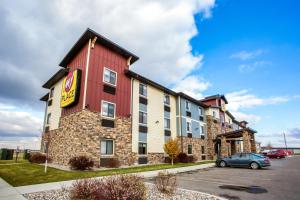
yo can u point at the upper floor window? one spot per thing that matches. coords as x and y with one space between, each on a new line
187 105
188 127
201 130
200 111
51 92
167 123
107 147
110 76
143 90
108 109
167 99
48 118
214 114
142 117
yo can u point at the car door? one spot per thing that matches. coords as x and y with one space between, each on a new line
244 159
234 159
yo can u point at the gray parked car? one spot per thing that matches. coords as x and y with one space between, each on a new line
252 160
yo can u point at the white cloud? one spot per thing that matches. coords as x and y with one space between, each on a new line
15 123
251 118
193 86
247 55
25 143
243 99
252 66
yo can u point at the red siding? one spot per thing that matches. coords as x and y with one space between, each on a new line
101 57
211 102
78 62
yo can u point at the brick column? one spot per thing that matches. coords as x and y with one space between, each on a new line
246 142
224 147
253 145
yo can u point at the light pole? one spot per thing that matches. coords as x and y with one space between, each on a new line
46 150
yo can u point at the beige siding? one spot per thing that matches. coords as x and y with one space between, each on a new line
55 108
155 118
209 111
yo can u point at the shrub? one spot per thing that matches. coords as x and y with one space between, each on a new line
84 189
110 162
125 187
168 160
166 183
121 187
37 157
191 159
81 163
182 157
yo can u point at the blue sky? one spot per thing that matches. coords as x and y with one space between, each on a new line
270 31
248 50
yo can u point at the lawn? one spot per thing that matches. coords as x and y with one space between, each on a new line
27 174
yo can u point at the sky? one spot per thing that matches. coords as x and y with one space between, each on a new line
247 50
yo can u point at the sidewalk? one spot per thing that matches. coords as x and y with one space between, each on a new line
8 192
59 185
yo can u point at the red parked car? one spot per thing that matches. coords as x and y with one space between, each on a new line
280 153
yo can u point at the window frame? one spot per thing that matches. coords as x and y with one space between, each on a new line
113 147
115 107
187 104
146 148
142 95
200 113
48 120
190 145
202 130
110 70
168 102
190 127
167 128
51 93
141 123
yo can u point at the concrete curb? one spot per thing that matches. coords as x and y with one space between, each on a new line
148 174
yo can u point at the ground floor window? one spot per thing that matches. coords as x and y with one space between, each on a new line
142 148
190 149
202 150
107 147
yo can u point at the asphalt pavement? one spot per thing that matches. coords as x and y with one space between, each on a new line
280 181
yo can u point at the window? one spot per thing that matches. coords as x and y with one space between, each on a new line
142 148
142 117
200 111
202 150
187 105
214 114
143 90
167 99
190 149
51 92
188 126
201 130
108 109
107 147
167 123
48 118
109 76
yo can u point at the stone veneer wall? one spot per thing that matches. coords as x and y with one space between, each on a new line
213 129
80 133
196 144
156 158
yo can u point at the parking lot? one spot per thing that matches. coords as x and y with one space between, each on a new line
280 181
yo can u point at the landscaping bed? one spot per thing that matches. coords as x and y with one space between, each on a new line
29 174
152 193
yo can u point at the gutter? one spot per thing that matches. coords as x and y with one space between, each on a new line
86 74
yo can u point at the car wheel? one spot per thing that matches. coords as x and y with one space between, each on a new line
254 165
222 164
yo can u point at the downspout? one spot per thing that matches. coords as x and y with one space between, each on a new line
179 106
86 74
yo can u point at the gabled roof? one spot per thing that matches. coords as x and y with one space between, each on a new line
45 97
55 78
230 115
217 96
90 34
150 82
192 99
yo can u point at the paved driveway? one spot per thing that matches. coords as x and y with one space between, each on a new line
280 181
